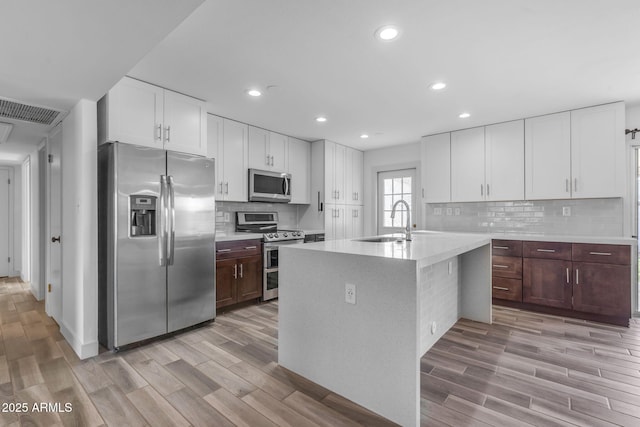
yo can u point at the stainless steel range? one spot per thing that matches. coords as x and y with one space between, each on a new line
273 237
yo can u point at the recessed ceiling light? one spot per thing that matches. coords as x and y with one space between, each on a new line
321 119
364 136
254 92
464 115
438 86
387 33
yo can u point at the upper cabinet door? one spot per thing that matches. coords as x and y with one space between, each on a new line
278 152
598 151
548 157
467 165
300 170
339 171
215 150
259 148
134 113
234 161
436 168
185 124
504 161
353 183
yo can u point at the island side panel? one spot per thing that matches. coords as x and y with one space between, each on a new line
475 284
440 300
367 352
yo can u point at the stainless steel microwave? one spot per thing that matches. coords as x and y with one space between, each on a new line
269 186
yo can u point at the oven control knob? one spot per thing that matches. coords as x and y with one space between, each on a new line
270 235
285 235
276 235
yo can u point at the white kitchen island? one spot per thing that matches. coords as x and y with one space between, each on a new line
408 294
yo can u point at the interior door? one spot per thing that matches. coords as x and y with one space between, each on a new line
191 273
5 264
53 298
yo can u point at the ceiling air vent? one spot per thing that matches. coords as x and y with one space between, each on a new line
15 110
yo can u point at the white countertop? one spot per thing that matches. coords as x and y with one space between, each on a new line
427 247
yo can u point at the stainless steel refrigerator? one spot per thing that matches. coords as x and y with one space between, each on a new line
156 238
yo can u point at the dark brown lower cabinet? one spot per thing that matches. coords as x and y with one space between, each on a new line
238 272
547 282
249 280
602 288
225 283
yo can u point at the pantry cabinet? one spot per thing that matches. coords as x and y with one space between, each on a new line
354 226
267 150
300 170
335 161
436 168
354 176
140 113
228 144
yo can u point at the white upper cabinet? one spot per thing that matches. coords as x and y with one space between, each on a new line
548 157
228 144
598 151
354 186
267 150
436 168
504 161
139 113
467 165
334 173
300 170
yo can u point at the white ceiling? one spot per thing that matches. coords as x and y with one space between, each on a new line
55 53
502 59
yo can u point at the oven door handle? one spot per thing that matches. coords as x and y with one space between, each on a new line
271 270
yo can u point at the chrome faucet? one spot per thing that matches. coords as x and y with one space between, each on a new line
407 230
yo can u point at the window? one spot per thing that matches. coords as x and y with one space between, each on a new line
394 186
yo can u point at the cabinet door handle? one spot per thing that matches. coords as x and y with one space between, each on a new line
600 253
487 190
501 247
546 250
226 184
272 162
337 194
223 250
500 266
577 276
168 133
500 288
566 185
250 247
159 133
221 190
241 269
267 162
567 275
481 190
575 184
235 271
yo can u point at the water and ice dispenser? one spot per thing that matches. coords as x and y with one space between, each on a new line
142 212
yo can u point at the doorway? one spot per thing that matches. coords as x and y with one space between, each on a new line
393 186
53 298
6 227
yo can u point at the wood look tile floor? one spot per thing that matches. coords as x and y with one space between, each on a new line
525 369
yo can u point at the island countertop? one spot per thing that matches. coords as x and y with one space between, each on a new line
427 247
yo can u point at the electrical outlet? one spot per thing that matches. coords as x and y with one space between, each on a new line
227 217
456 212
450 267
350 293
449 211
437 211
566 211
434 327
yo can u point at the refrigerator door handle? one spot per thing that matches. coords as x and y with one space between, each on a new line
162 236
172 217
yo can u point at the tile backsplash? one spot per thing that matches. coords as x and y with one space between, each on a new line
595 217
287 214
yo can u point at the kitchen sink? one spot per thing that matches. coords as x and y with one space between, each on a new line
380 239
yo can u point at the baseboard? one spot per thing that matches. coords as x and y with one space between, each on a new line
83 350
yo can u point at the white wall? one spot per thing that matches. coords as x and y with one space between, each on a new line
392 158
79 224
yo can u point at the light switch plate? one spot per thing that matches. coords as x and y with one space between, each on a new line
566 211
350 293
